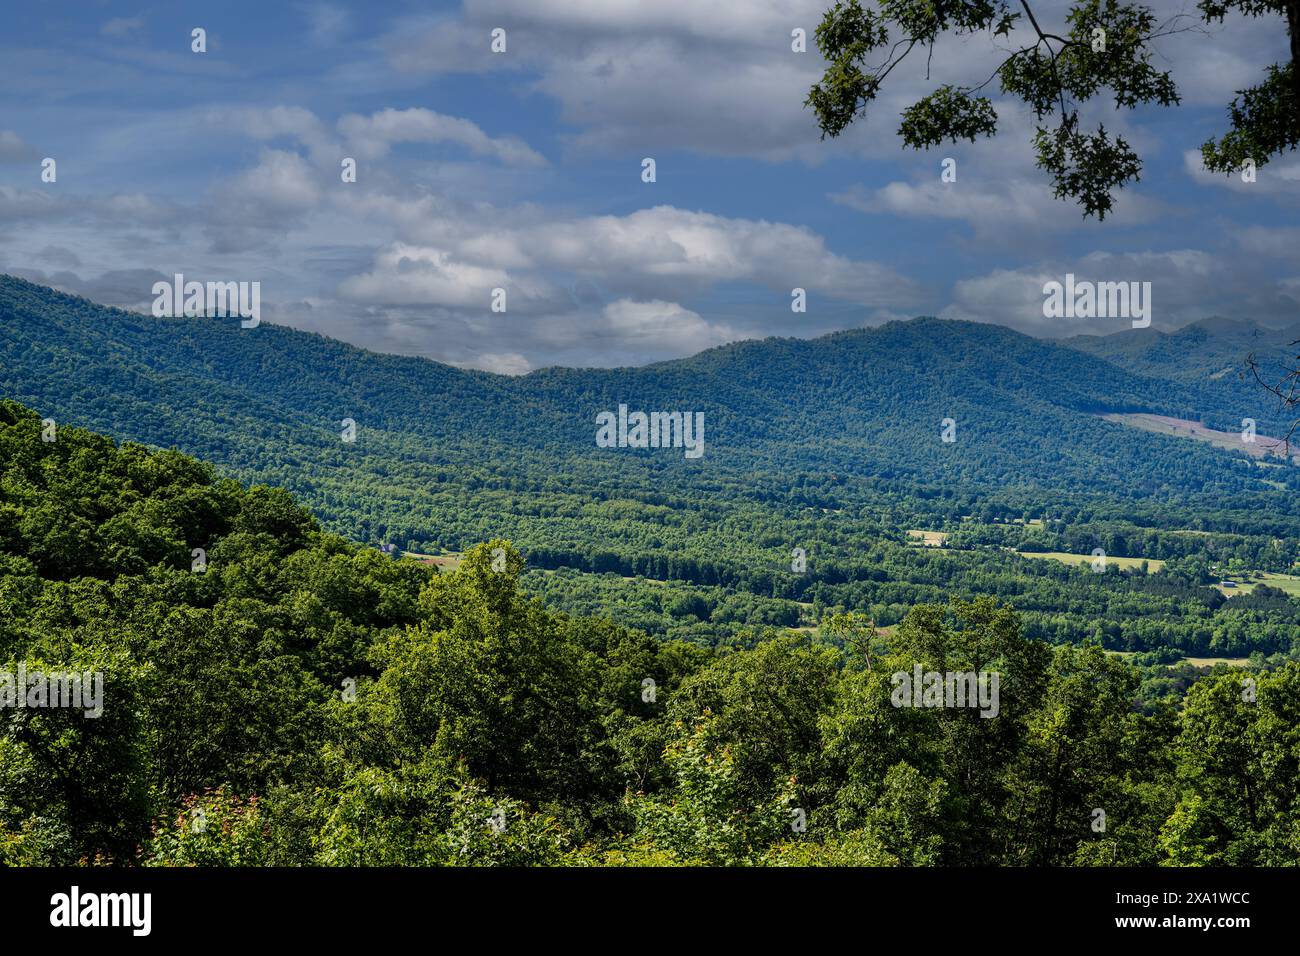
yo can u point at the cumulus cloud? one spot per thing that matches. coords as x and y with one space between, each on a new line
456 201
413 275
294 123
1186 285
660 252
658 329
503 363
717 77
374 135
603 290
1005 209
721 78
266 201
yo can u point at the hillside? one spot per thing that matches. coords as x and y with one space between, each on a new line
860 405
1210 358
829 445
298 700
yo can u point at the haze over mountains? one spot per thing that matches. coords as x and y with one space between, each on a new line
1209 350
855 414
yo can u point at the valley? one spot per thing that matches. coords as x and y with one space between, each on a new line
525 623
699 549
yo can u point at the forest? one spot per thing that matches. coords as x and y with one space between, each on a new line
275 694
817 445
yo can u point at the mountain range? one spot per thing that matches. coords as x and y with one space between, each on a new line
849 421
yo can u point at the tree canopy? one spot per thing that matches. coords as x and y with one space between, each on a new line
1102 50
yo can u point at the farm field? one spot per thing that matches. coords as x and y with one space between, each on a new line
444 562
928 539
1261 447
1153 564
1289 583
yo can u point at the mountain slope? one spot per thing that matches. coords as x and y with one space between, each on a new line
1210 357
848 422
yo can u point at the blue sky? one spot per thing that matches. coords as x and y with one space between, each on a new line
522 170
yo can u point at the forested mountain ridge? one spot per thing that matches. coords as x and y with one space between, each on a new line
831 446
865 403
301 700
1210 356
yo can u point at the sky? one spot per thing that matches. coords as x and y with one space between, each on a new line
522 170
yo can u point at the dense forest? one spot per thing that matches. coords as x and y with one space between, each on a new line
275 694
470 636
830 446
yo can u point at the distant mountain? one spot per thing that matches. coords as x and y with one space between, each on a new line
1211 355
855 415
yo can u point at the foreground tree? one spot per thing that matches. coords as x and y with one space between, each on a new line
1104 49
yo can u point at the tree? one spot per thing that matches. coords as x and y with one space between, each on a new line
1238 764
1104 49
854 630
709 819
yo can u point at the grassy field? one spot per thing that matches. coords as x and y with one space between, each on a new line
1247 581
1289 583
1196 661
1153 564
929 539
444 562
1243 587
1261 447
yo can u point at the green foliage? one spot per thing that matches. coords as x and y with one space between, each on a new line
708 548
487 832
1239 771
216 828
709 820
324 704
1106 49
947 114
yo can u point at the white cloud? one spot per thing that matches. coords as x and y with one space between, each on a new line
269 123
1278 178
1005 209
650 254
718 77
374 135
259 204
1186 285
13 149
503 363
282 182
660 328
122 27
602 290
413 275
